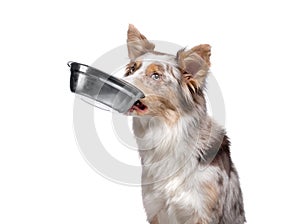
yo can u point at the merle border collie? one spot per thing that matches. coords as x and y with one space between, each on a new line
188 176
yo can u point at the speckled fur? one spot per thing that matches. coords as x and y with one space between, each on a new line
188 176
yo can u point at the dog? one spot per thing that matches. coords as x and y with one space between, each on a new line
187 173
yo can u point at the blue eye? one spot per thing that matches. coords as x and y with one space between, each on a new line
155 76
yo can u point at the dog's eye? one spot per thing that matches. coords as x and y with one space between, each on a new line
155 76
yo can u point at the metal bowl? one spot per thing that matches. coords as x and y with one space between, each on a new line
102 87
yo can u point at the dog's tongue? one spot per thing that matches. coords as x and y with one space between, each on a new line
134 107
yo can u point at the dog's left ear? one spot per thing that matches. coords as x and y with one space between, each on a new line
194 64
137 43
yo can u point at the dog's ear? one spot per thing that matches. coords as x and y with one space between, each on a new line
194 64
137 43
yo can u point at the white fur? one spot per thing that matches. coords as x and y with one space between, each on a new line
165 151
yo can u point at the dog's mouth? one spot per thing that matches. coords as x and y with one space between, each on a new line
138 106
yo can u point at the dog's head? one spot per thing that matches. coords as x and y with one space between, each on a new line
173 84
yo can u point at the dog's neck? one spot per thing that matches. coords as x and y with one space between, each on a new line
189 139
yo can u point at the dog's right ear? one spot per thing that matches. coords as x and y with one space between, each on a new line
137 43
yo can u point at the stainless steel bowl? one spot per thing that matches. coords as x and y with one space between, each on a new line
102 87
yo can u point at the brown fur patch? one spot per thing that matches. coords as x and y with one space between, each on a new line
191 83
212 196
154 68
202 222
161 107
154 220
132 67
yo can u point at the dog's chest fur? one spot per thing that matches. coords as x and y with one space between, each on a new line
177 188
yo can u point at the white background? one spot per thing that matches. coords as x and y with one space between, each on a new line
255 58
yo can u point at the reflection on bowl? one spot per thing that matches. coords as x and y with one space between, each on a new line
102 87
